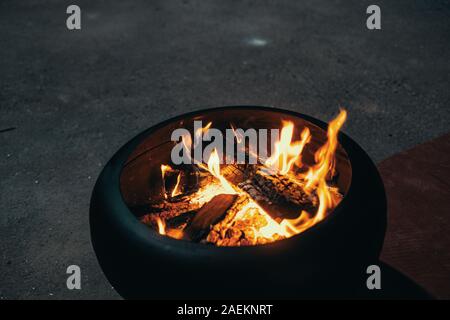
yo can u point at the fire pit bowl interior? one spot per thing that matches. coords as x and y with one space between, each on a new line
327 259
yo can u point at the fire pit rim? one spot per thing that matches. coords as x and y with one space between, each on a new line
109 182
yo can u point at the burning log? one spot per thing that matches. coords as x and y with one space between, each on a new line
180 181
278 196
243 232
168 210
284 188
248 204
219 232
282 196
245 224
236 173
208 215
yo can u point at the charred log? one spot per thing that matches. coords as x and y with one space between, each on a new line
209 214
281 196
169 210
218 232
282 188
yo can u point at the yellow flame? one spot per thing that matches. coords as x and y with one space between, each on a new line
270 229
305 137
325 156
175 190
164 169
161 226
316 178
200 131
238 136
287 153
214 169
186 139
164 231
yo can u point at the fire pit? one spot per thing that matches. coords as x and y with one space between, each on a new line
250 202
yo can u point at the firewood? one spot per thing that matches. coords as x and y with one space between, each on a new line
281 196
283 188
236 173
243 231
217 232
275 187
168 210
179 222
209 214
238 204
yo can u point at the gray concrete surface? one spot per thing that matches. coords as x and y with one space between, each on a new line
72 98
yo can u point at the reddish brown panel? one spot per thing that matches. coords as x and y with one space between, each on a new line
417 242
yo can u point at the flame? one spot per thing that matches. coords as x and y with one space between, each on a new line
316 178
175 190
270 229
161 226
325 156
281 162
305 137
214 169
200 131
164 169
238 136
164 231
186 139
187 142
287 153
198 135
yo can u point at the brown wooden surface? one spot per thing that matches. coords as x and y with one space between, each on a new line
417 242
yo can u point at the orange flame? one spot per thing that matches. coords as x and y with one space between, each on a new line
161 226
175 190
316 177
325 156
286 152
198 134
271 228
238 136
166 168
164 231
200 131
187 141
214 169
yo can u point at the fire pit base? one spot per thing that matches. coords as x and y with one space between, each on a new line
327 260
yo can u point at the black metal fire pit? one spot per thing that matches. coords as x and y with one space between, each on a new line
327 260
